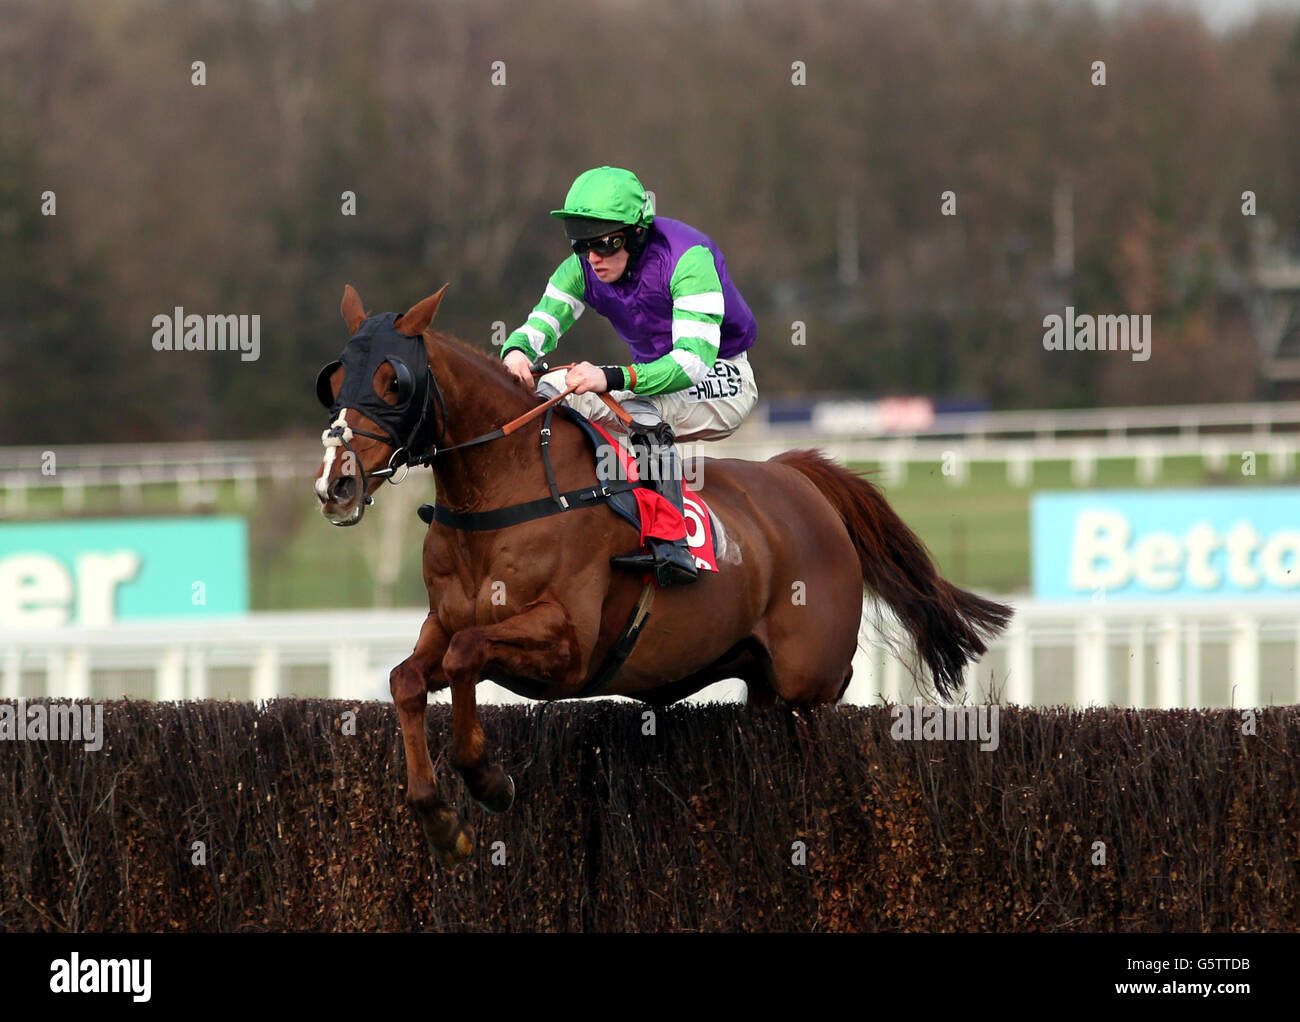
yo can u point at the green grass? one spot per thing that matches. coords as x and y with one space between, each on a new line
978 532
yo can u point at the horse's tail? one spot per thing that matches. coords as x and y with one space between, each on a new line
948 625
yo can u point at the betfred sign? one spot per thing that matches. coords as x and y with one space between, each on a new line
96 572
1169 544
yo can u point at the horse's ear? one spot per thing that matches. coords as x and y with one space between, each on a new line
353 313
418 317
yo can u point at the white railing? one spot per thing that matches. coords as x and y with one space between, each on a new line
1145 654
1156 655
1015 439
1217 434
1273 455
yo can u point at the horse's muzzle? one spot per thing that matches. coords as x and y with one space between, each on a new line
341 504
342 490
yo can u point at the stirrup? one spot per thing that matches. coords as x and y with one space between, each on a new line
672 563
679 565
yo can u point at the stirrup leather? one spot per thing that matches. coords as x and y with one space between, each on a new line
671 561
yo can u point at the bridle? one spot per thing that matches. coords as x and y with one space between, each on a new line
340 434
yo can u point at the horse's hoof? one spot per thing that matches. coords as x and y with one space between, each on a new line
501 796
462 846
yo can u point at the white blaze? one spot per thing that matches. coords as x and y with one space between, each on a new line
331 444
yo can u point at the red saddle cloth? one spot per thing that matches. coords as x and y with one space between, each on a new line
661 520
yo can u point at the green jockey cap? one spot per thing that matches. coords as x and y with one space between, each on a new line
604 199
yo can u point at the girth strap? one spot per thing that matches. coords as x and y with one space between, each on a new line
623 645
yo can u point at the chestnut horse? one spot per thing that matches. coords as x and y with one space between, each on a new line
536 606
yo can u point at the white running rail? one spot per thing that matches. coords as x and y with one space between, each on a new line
1217 433
1240 654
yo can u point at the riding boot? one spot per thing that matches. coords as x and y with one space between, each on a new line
671 560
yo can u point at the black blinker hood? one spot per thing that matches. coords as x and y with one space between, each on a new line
375 342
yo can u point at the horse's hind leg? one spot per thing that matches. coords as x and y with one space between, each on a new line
809 673
759 692
539 643
762 692
844 685
451 838
810 645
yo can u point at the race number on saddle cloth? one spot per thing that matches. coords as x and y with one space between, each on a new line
649 511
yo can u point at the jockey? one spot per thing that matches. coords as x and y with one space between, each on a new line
664 287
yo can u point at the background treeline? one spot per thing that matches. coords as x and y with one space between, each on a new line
225 198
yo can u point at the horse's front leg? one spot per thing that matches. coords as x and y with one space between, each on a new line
541 643
410 681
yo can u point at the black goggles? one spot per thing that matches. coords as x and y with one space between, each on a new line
604 246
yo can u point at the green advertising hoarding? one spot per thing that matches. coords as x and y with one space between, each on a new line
98 571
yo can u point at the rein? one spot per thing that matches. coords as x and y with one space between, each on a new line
496 434
557 502
538 369
342 434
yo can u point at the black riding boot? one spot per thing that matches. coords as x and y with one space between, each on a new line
671 560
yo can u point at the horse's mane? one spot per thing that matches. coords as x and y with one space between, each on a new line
493 365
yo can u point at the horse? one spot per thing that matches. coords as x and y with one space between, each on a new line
536 605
